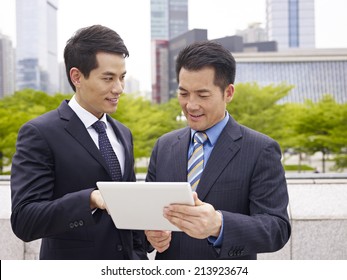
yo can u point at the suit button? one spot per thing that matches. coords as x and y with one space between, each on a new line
76 224
81 223
71 225
119 248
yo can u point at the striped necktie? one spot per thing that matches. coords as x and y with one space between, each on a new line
107 151
196 160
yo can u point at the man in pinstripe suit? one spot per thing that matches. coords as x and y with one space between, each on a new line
241 199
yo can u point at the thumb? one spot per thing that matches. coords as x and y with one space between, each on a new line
197 201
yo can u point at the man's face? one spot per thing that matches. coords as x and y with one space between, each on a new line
203 103
100 92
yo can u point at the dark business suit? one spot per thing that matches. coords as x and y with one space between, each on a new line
54 170
243 178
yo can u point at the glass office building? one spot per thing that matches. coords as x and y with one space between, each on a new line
6 66
313 73
37 47
291 23
169 19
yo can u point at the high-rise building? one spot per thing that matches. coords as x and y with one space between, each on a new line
6 66
160 71
37 47
64 85
291 23
234 44
175 46
169 19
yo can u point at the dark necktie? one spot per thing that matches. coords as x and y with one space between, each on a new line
196 160
107 151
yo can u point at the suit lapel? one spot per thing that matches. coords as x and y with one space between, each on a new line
180 160
77 130
125 144
223 152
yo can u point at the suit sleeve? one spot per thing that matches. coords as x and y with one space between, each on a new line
151 173
267 227
35 212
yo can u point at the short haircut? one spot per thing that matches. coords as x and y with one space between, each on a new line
81 49
208 54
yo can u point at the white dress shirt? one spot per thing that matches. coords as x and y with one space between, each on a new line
88 120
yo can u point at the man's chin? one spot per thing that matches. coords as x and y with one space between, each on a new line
111 110
195 126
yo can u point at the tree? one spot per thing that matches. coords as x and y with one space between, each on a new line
147 121
17 109
322 127
258 107
339 132
303 128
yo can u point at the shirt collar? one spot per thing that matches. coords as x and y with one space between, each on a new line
214 131
87 118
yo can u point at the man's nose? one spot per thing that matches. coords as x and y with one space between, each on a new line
192 104
118 87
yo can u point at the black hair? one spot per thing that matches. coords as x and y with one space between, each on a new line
208 54
81 49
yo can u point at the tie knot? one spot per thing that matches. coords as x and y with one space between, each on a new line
200 137
99 126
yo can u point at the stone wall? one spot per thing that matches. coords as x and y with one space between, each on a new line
318 214
317 209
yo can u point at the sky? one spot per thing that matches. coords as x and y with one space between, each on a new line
131 19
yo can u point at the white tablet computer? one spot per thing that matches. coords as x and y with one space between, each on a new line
139 205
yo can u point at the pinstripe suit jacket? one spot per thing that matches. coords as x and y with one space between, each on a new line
243 178
54 170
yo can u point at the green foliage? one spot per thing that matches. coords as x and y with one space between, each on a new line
340 135
340 162
294 167
309 127
319 124
147 121
17 109
141 169
322 127
302 128
257 107
250 100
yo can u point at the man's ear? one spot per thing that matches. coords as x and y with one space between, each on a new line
75 76
229 93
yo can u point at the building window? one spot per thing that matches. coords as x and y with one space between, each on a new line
293 24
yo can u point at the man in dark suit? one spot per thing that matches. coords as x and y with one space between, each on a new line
58 162
241 195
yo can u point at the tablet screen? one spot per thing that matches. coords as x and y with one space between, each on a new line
139 205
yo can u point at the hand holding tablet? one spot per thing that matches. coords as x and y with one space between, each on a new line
139 205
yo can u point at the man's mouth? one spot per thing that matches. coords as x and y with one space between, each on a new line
112 100
195 116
